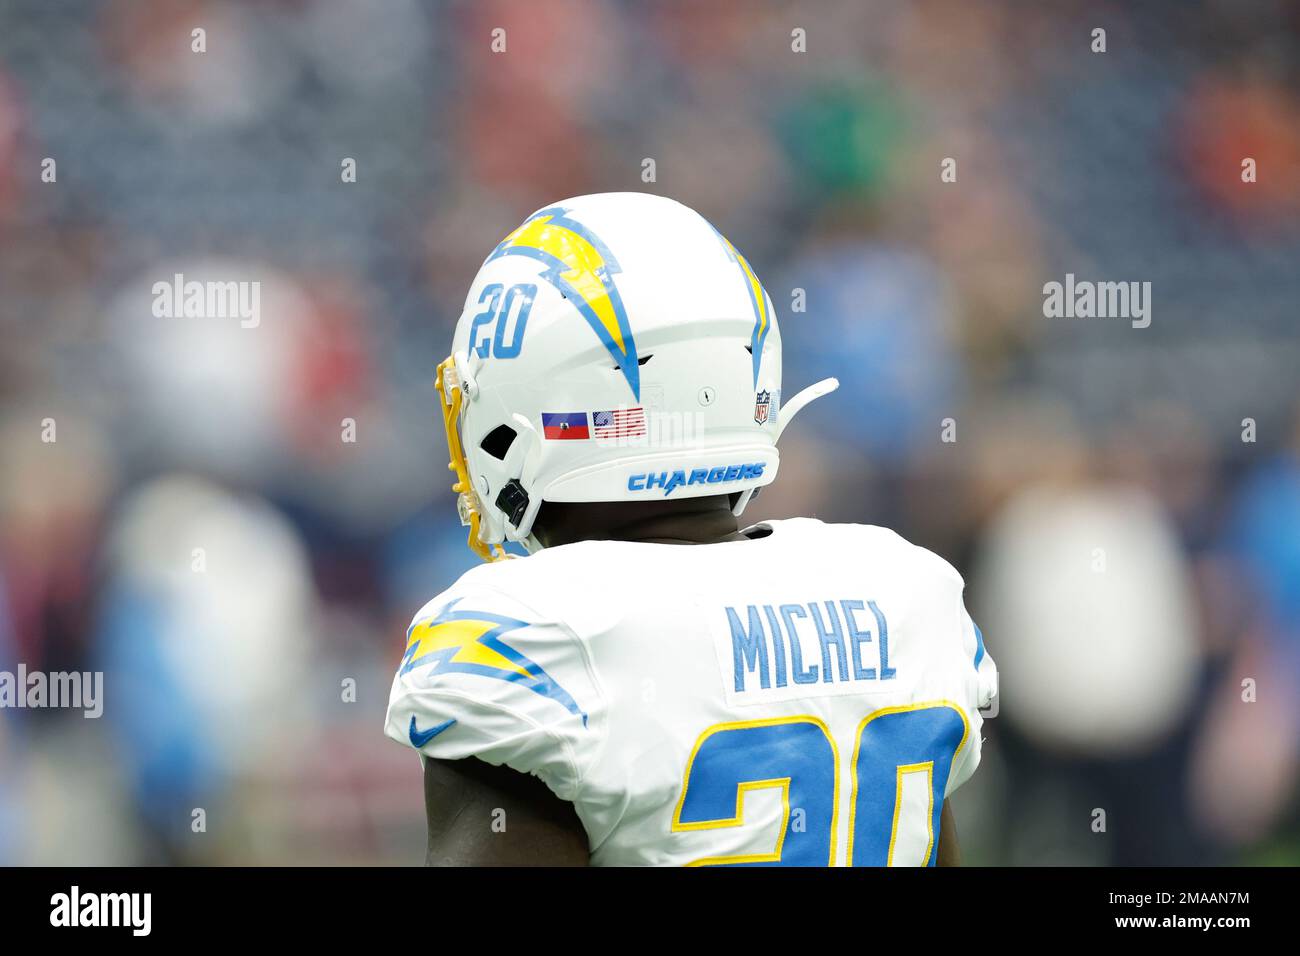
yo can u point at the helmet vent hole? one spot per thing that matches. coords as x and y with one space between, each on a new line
749 349
498 441
640 361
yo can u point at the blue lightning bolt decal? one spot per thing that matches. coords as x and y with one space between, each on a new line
757 300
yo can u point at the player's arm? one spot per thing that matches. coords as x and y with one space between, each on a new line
949 851
483 815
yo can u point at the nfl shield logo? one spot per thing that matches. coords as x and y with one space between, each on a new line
762 404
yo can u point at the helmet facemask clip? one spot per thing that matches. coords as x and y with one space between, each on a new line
453 390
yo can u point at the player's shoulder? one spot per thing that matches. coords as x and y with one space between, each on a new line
485 674
483 588
531 587
868 545
488 641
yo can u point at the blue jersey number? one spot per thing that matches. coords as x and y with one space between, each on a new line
796 756
901 761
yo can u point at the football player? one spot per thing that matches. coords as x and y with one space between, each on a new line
651 684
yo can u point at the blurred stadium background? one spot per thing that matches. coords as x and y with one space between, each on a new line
1131 559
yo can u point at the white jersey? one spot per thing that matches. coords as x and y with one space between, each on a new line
808 697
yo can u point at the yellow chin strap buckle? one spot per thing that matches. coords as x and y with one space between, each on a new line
453 397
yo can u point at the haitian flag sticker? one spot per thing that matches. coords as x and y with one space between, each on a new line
565 426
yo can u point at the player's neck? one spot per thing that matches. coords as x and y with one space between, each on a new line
704 527
683 521
675 522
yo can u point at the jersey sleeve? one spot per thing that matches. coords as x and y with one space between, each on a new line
485 676
979 698
961 662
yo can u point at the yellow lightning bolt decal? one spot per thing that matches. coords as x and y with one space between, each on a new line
586 270
755 290
428 637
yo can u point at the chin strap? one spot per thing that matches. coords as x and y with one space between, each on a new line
810 394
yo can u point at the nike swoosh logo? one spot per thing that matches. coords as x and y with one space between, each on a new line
421 737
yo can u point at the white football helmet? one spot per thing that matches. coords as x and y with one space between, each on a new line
614 347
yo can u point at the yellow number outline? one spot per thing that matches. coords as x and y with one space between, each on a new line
902 769
898 790
748 786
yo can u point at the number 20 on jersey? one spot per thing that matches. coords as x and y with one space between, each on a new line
899 770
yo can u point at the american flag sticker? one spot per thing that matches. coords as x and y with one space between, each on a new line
619 423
